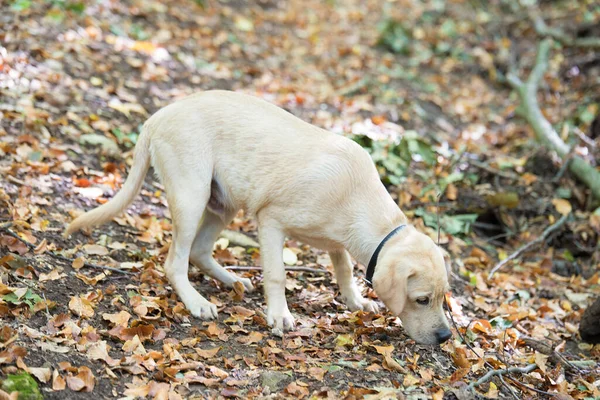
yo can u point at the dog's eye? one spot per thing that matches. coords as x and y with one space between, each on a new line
423 300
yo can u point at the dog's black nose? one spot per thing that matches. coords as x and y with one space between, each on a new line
442 335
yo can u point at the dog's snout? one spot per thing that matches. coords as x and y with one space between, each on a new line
442 335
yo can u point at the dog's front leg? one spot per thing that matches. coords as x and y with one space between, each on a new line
348 288
271 244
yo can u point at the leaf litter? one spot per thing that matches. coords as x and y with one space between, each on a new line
414 84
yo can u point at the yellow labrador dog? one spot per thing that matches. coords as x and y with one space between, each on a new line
217 152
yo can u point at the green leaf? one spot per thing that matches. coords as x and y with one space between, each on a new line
451 224
500 323
394 36
20 5
29 298
77 8
568 256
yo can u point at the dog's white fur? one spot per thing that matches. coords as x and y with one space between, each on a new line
217 152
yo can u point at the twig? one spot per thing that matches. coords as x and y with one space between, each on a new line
554 356
544 131
552 228
294 269
499 372
464 340
563 168
5 227
493 170
512 392
584 138
559 35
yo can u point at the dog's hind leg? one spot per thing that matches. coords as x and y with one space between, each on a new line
187 194
201 254
348 288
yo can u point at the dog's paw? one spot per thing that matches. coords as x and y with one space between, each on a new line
247 284
362 304
370 306
203 309
282 320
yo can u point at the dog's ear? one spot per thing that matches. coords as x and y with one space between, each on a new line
392 288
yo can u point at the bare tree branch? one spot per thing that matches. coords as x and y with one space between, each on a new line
559 35
544 131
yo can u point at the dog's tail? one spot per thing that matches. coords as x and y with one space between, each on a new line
131 187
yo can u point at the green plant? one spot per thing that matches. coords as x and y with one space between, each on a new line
393 159
394 36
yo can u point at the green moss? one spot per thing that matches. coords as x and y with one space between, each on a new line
24 384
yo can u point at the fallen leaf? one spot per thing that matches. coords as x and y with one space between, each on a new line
207 353
81 307
562 206
253 337
95 250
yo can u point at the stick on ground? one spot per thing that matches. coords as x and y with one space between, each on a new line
500 372
539 240
294 269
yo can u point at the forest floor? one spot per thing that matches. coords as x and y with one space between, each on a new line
77 80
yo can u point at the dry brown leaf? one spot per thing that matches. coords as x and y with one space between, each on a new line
207 353
78 263
253 337
95 250
121 318
58 382
42 374
81 307
317 373
84 380
296 390
51 276
238 291
541 360
460 358
562 206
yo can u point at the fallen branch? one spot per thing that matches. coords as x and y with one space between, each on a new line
547 232
464 339
294 269
544 131
500 372
5 227
559 35
493 170
554 356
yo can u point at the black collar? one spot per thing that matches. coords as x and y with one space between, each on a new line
373 261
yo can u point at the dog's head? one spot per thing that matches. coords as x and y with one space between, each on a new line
411 279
